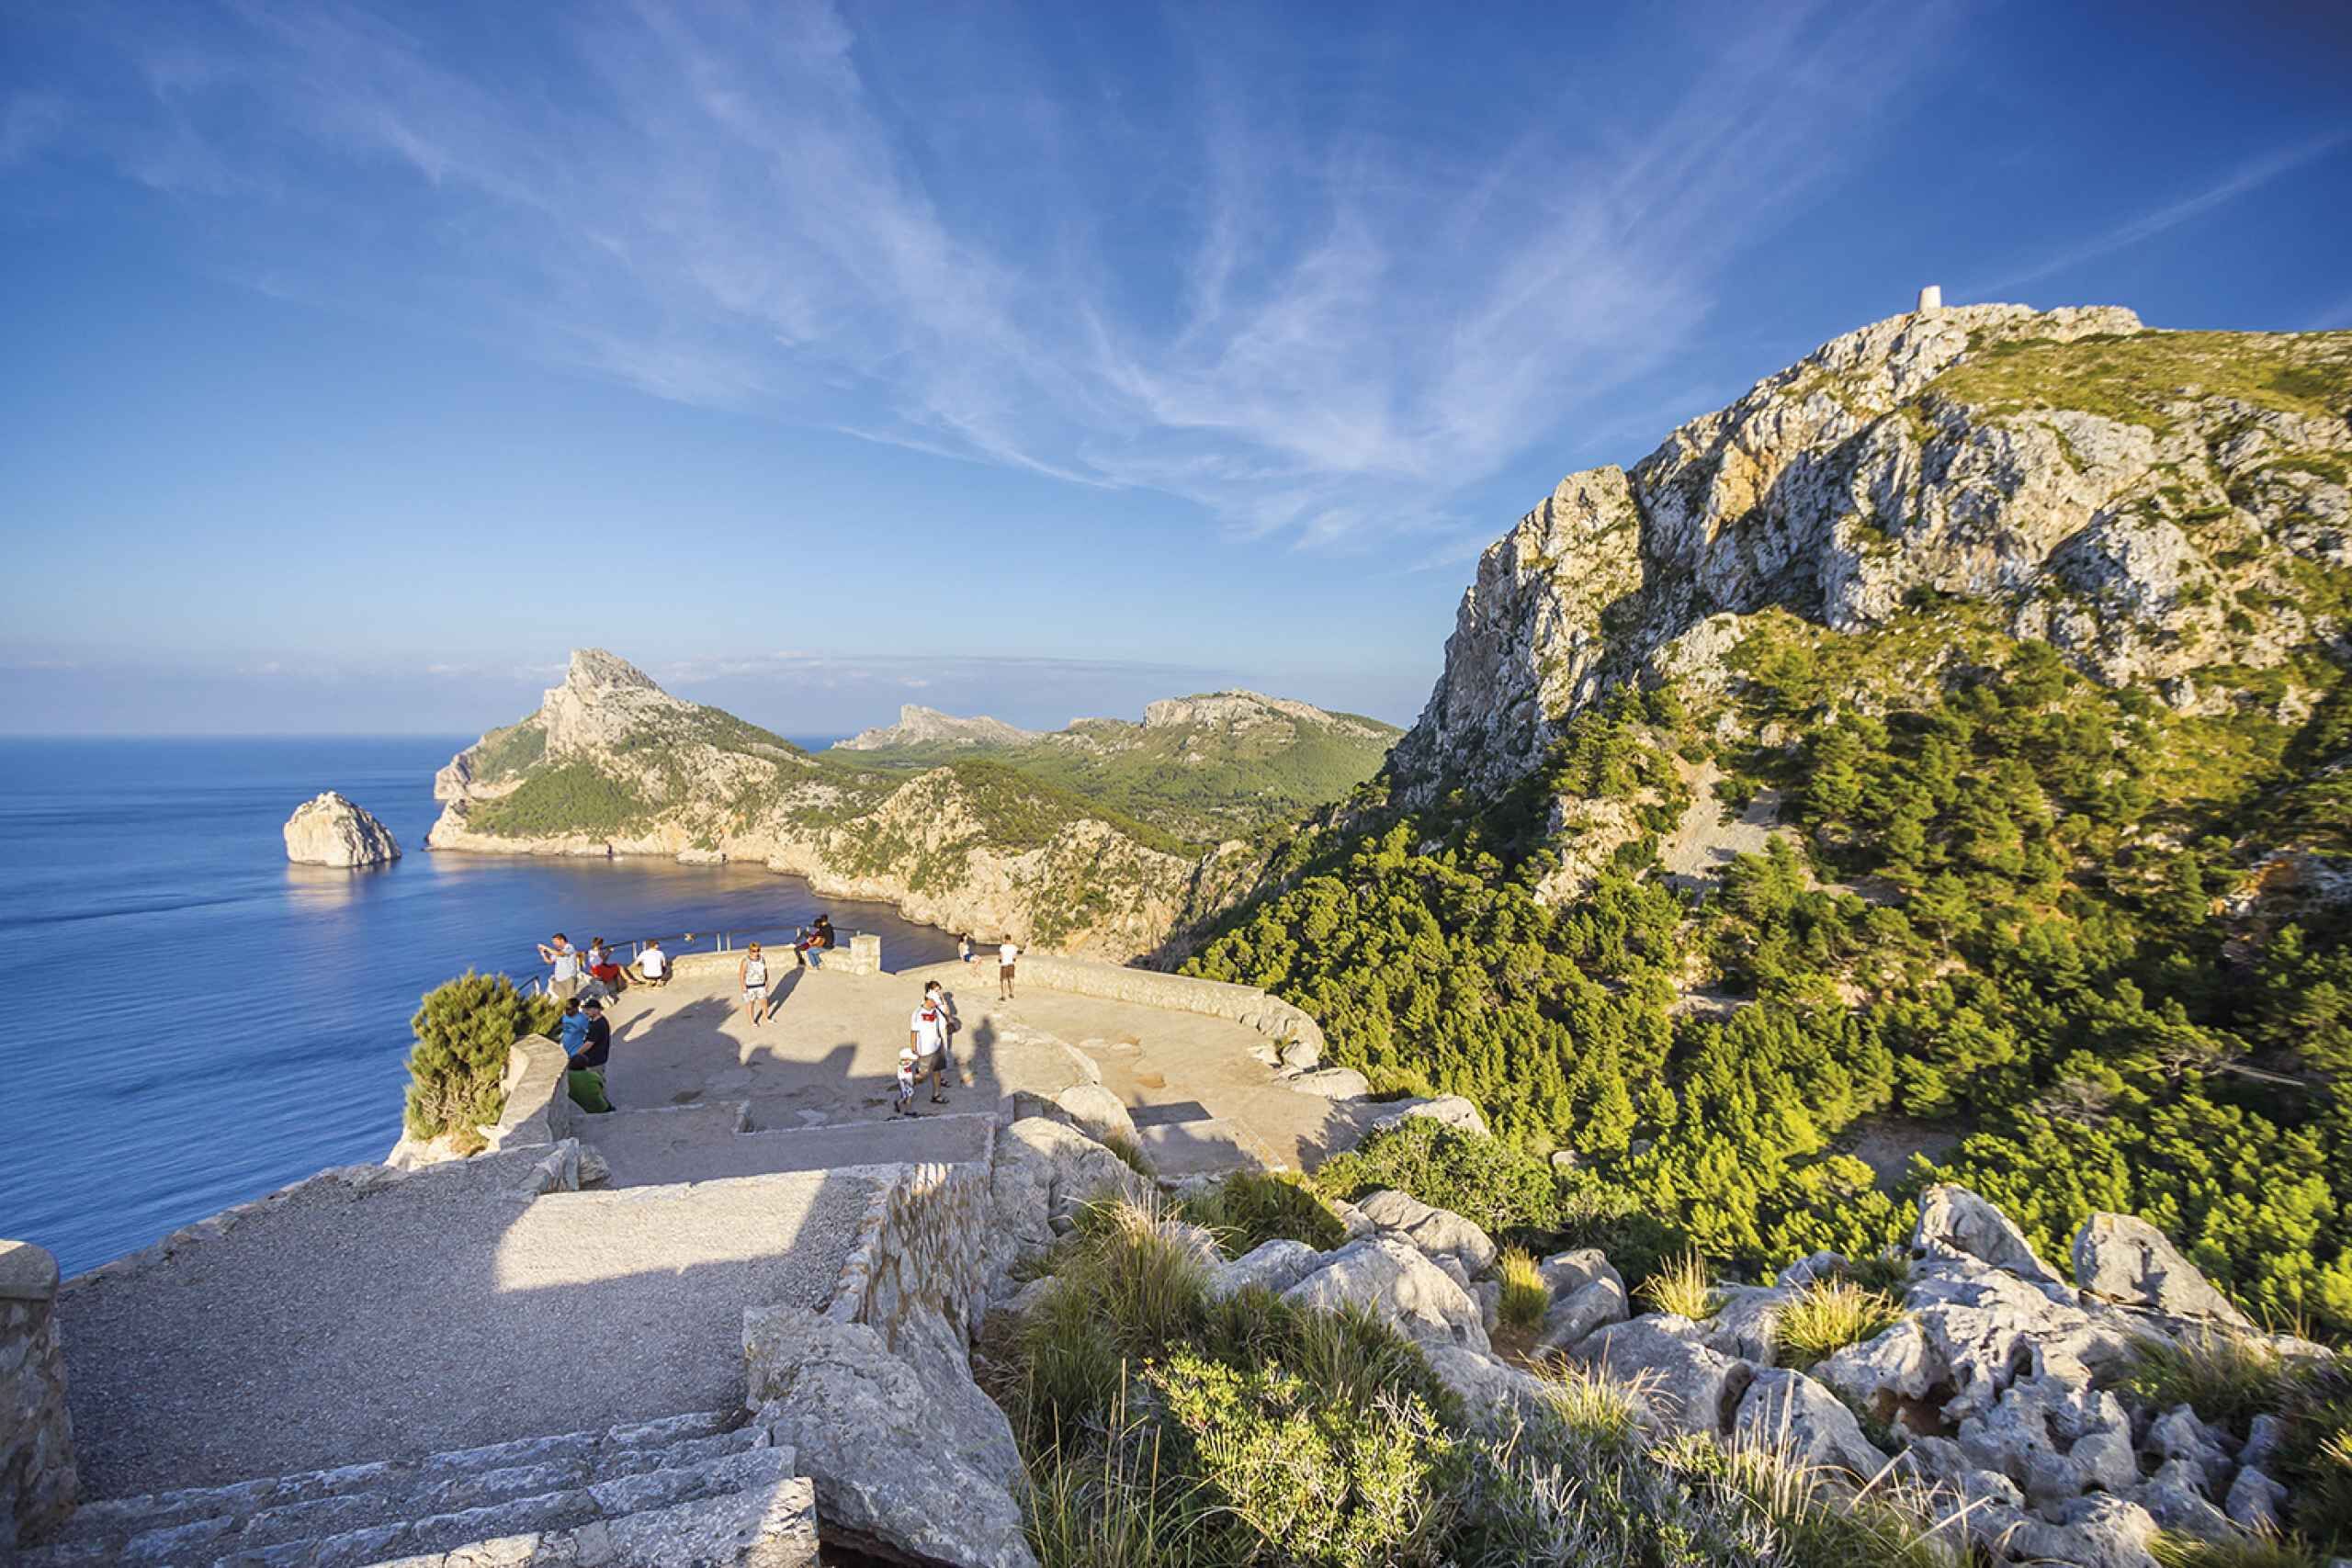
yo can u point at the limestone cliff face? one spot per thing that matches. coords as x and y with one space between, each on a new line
612 765
329 830
2151 505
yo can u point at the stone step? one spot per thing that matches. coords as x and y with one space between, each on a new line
171 1526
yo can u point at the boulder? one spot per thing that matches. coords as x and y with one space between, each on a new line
1984 1324
328 830
1684 1386
2179 1435
1455 1272
1489 1386
2053 1440
1806 1270
1097 1112
1785 1410
2097 1531
1331 1083
2124 1259
2254 1502
1044 1172
2175 1497
1987 1504
2263 1436
925 1467
1895 1364
1353 1222
1565 1273
1275 1266
1956 1223
1572 1317
1447 1110
1438 1231
1742 1328
1392 1278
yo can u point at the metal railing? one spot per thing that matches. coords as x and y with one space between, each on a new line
678 944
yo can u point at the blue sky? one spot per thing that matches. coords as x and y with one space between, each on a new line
361 360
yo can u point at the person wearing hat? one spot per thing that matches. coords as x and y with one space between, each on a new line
753 971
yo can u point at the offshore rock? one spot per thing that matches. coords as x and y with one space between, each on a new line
329 830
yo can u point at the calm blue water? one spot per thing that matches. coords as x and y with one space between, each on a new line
192 1021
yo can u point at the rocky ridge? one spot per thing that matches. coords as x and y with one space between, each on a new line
920 726
329 830
2154 505
610 765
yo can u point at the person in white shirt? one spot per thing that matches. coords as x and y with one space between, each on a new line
927 1038
902 1102
563 984
755 973
652 966
1005 953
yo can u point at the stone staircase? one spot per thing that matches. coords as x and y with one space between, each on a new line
709 1489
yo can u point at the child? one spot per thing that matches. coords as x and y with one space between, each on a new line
964 947
905 1104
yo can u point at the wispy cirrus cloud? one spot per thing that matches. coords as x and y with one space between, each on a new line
2248 177
726 206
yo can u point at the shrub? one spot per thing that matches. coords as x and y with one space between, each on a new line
1486 1180
2226 1378
1828 1316
1129 1151
1525 1295
463 1032
1683 1286
2172 1551
1249 1208
1319 1480
1888 1272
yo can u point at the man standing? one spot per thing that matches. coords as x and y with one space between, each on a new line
927 1038
1005 953
564 983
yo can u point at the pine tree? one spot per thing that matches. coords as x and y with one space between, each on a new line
463 1032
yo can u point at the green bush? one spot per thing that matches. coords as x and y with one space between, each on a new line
1525 1295
1251 1208
463 1032
1486 1180
1684 1286
1317 1481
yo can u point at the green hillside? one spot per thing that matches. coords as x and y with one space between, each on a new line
1201 783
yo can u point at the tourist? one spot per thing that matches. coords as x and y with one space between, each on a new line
936 994
653 967
597 1043
1006 953
603 967
564 983
753 971
927 1038
807 945
964 947
824 931
903 1103
572 1029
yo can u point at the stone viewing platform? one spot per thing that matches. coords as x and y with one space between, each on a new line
402 1363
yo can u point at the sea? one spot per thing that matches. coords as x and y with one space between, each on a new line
189 1020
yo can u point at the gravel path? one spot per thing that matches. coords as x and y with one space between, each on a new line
423 1317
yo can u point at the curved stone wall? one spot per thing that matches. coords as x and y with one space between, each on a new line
1298 1036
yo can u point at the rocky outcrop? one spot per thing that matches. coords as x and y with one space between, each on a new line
2145 503
921 725
1397 1282
922 1468
329 830
2124 1259
1437 1231
612 765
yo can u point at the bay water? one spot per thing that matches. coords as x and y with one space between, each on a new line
192 1021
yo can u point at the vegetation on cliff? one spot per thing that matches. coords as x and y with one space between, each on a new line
464 1029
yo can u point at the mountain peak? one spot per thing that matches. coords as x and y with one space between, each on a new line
594 669
920 726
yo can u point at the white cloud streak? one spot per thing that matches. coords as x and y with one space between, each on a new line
2243 180
717 205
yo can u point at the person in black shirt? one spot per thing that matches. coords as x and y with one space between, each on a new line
593 1051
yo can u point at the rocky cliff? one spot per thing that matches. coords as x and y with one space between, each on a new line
2167 510
330 830
610 764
